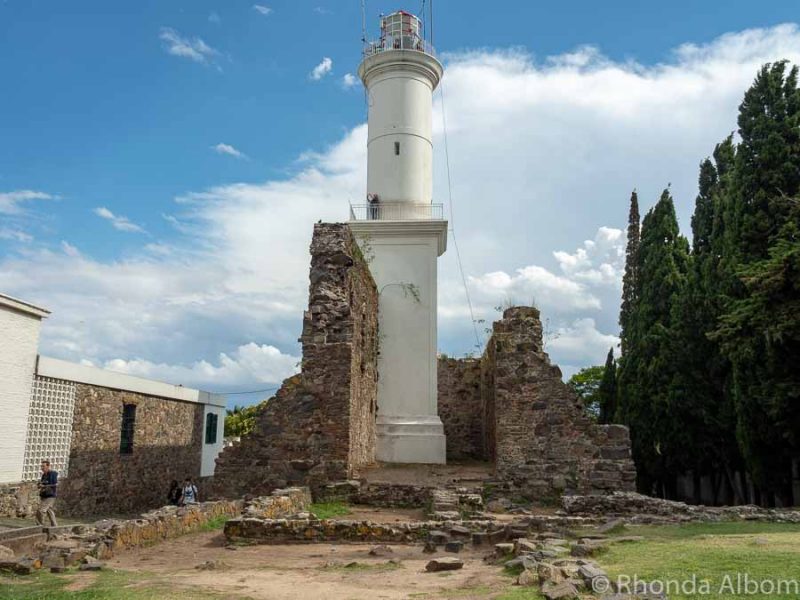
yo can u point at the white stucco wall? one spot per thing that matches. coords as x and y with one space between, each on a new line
19 340
211 451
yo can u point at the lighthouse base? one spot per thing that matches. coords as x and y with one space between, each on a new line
416 439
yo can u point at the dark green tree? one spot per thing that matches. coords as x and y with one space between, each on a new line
758 281
607 392
630 277
648 366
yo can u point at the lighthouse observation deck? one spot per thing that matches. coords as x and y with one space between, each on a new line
399 31
396 211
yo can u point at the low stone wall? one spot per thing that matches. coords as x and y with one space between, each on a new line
320 426
281 503
630 504
277 531
460 408
63 547
18 499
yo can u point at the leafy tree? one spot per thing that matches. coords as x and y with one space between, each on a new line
241 420
607 391
586 384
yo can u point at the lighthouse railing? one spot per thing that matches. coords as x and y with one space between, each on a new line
399 42
396 211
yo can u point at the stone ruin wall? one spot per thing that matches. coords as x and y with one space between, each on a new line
320 425
460 407
533 426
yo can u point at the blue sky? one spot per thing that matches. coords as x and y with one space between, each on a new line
161 163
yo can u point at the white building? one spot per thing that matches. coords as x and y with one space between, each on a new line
38 399
402 234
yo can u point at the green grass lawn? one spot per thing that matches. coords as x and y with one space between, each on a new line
712 553
104 585
329 510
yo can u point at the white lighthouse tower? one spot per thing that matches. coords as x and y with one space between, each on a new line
403 233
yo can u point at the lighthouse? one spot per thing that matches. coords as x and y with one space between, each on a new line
402 233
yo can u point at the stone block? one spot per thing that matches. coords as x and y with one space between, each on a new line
446 563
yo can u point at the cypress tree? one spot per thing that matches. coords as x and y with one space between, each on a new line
630 278
649 365
608 390
756 329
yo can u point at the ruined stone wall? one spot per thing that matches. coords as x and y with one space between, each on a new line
320 426
460 407
545 443
167 445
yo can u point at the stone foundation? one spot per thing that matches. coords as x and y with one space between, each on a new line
18 499
320 426
629 504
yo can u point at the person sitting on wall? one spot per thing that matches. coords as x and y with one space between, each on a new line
188 493
174 494
48 486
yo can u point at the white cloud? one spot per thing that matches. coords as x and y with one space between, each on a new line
117 221
322 69
15 235
229 150
194 49
542 156
213 17
579 342
598 261
249 365
69 249
320 10
261 9
349 81
534 285
10 202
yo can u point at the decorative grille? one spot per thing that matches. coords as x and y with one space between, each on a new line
49 426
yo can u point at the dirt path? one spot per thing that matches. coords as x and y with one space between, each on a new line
312 571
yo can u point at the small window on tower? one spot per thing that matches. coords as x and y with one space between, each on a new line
397 148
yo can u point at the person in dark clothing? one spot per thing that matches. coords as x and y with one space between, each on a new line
174 494
48 488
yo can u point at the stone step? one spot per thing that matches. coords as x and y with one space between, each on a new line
19 532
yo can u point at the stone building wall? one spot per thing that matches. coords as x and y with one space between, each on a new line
320 425
460 407
167 445
545 443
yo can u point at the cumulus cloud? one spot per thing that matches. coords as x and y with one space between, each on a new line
322 69
194 49
349 81
11 202
598 261
117 221
543 156
249 365
262 10
229 150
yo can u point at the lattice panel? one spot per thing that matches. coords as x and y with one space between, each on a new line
49 426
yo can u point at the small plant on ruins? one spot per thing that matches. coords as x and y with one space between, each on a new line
364 248
329 510
409 290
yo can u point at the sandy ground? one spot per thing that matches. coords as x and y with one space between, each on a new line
312 571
